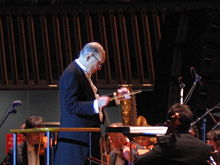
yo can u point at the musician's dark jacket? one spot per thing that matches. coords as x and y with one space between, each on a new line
22 156
76 101
177 149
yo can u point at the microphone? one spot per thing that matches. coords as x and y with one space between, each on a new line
196 80
10 109
182 86
180 80
194 73
16 103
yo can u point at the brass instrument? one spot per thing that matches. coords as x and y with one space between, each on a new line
128 109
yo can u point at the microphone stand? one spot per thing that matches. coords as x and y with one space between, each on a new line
197 79
207 112
182 85
215 126
204 130
9 111
202 117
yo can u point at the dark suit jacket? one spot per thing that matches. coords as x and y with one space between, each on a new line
76 100
180 149
22 156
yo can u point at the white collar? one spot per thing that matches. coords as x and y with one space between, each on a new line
82 67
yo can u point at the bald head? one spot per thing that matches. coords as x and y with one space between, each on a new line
94 48
92 56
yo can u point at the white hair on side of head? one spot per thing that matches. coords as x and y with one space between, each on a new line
91 47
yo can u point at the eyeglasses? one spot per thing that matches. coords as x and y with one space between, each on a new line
100 64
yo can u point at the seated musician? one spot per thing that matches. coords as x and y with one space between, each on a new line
213 137
178 147
29 152
119 145
143 143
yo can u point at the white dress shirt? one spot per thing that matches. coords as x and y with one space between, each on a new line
88 76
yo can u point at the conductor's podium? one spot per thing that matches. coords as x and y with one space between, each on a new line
134 131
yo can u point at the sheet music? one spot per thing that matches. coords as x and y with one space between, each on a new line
155 130
149 130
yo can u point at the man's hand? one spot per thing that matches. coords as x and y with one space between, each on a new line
123 92
127 154
103 101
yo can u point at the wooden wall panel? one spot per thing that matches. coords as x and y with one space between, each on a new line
37 45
